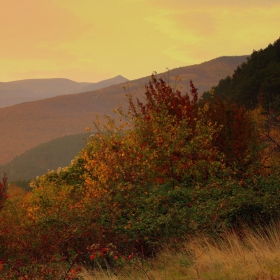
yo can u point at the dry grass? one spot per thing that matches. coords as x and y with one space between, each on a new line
250 255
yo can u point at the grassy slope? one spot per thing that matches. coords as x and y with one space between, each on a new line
255 256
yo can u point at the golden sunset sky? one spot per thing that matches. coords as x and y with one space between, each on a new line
92 40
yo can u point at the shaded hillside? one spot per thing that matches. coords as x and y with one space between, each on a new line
26 125
17 92
255 81
51 155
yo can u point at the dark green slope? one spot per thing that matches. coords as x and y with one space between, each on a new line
254 81
50 155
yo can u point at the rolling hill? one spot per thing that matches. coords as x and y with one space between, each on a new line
24 126
17 92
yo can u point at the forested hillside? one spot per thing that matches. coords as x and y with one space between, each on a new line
47 156
255 82
255 85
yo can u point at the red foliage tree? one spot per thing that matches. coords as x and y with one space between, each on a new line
159 96
237 138
3 194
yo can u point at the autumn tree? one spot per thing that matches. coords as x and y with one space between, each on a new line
3 189
268 128
140 170
237 138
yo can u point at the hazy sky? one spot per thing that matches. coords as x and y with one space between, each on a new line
91 40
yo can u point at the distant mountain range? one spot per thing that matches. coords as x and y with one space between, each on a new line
24 126
16 92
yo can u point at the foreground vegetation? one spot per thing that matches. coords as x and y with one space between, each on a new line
169 167
242 255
